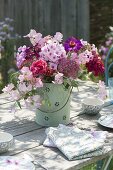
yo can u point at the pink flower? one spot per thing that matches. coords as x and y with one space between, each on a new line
33 102
52 52
58 78
15 95
38 67
34 37
24 88
68 67
38 83
58 36
26 74
8 88
84 57
53 66
102 93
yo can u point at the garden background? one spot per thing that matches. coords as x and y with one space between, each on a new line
87 19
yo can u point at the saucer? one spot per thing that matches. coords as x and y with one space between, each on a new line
106 121
15 163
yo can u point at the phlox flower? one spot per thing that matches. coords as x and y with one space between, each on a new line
58 36
20 57
53 65
58 78
84 57
52 52
8 88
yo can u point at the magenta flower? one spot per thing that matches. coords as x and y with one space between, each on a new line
72 44
68 67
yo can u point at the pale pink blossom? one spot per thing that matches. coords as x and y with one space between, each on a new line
23 88
14 95
8 88
34 37
102 92
38 83
33 102
26 74
84 42
84 57
52 52
58 36
58 78
93 48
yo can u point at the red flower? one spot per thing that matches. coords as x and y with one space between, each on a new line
49 71
38 67
95 65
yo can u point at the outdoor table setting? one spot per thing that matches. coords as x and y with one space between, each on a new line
59 123
32 144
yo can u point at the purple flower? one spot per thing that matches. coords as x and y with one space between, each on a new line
68 67
29 53
72 44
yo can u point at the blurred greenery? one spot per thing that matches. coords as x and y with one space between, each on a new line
7 43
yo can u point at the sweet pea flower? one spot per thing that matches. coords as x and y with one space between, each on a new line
26 74
38 83
15 95
33 102
8 88
23 88
58 78
34 37
102 93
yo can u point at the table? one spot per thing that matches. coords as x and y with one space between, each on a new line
29 136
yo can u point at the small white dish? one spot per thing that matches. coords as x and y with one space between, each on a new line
6 141
92 106
15 163
106 121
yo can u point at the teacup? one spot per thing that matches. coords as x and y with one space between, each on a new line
92 106
6 142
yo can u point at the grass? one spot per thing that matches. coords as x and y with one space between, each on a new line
98 166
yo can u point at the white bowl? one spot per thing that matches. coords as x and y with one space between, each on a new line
6 141
92 106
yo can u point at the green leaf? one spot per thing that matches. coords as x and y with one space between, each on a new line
18 103
74 83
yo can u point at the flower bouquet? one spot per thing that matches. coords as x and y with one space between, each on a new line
49 64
